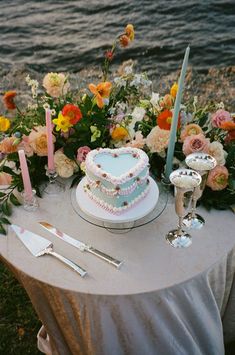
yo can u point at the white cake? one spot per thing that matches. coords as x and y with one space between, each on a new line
117 178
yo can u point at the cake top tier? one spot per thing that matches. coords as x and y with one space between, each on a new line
116 165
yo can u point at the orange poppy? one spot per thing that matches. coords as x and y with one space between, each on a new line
164 120
124 41
73 112
228 126
101 92
8 100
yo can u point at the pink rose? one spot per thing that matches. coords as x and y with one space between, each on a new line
218 178
220 116
196 143
82 153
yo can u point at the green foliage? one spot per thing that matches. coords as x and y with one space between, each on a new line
19 324
7 199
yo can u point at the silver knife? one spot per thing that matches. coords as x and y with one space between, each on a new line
39 246
80 245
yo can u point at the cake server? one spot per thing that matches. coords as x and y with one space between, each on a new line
80 245
39 246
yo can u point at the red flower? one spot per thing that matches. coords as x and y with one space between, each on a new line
109 55
8 100
164 120
230 136
73 112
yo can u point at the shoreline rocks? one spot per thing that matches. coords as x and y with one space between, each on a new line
216 84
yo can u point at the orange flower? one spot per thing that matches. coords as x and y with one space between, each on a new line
164 120
129 30
8 145
189 130
8 100
5 179
167 101
228 125
73 112
124 41
119 133
101 92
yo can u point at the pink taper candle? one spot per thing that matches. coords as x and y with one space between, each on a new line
25 174
50 145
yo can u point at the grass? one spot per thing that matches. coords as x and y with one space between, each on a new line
18 321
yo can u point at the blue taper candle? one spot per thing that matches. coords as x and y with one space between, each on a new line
171 145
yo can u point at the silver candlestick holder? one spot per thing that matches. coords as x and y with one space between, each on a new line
184 180
202 163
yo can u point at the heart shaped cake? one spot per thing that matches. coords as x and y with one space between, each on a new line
117 178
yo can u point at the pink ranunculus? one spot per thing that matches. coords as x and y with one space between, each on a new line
196 143
220 116
82 153
218 178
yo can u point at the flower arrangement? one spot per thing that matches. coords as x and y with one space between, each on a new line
122 111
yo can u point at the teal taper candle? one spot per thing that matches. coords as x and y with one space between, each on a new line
171 145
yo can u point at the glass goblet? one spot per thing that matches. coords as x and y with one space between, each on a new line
202 163
184 180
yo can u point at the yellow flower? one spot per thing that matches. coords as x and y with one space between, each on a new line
129 30
174 90
62 123
4 124
119 133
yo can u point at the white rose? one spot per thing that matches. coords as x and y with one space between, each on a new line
65 167
217 151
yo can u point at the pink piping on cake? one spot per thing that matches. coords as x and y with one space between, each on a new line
116 210
98 171
121 192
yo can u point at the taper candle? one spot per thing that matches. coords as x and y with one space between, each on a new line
50 145
25 174
172 140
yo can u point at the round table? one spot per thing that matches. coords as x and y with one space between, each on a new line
161 301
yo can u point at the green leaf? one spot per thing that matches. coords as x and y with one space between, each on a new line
2 230
6 208
14 200
2 194
8 170
4 220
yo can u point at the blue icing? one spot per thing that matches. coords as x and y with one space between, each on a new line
116 166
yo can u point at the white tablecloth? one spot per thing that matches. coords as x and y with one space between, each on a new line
162 300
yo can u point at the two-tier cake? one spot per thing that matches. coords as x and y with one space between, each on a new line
117 178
